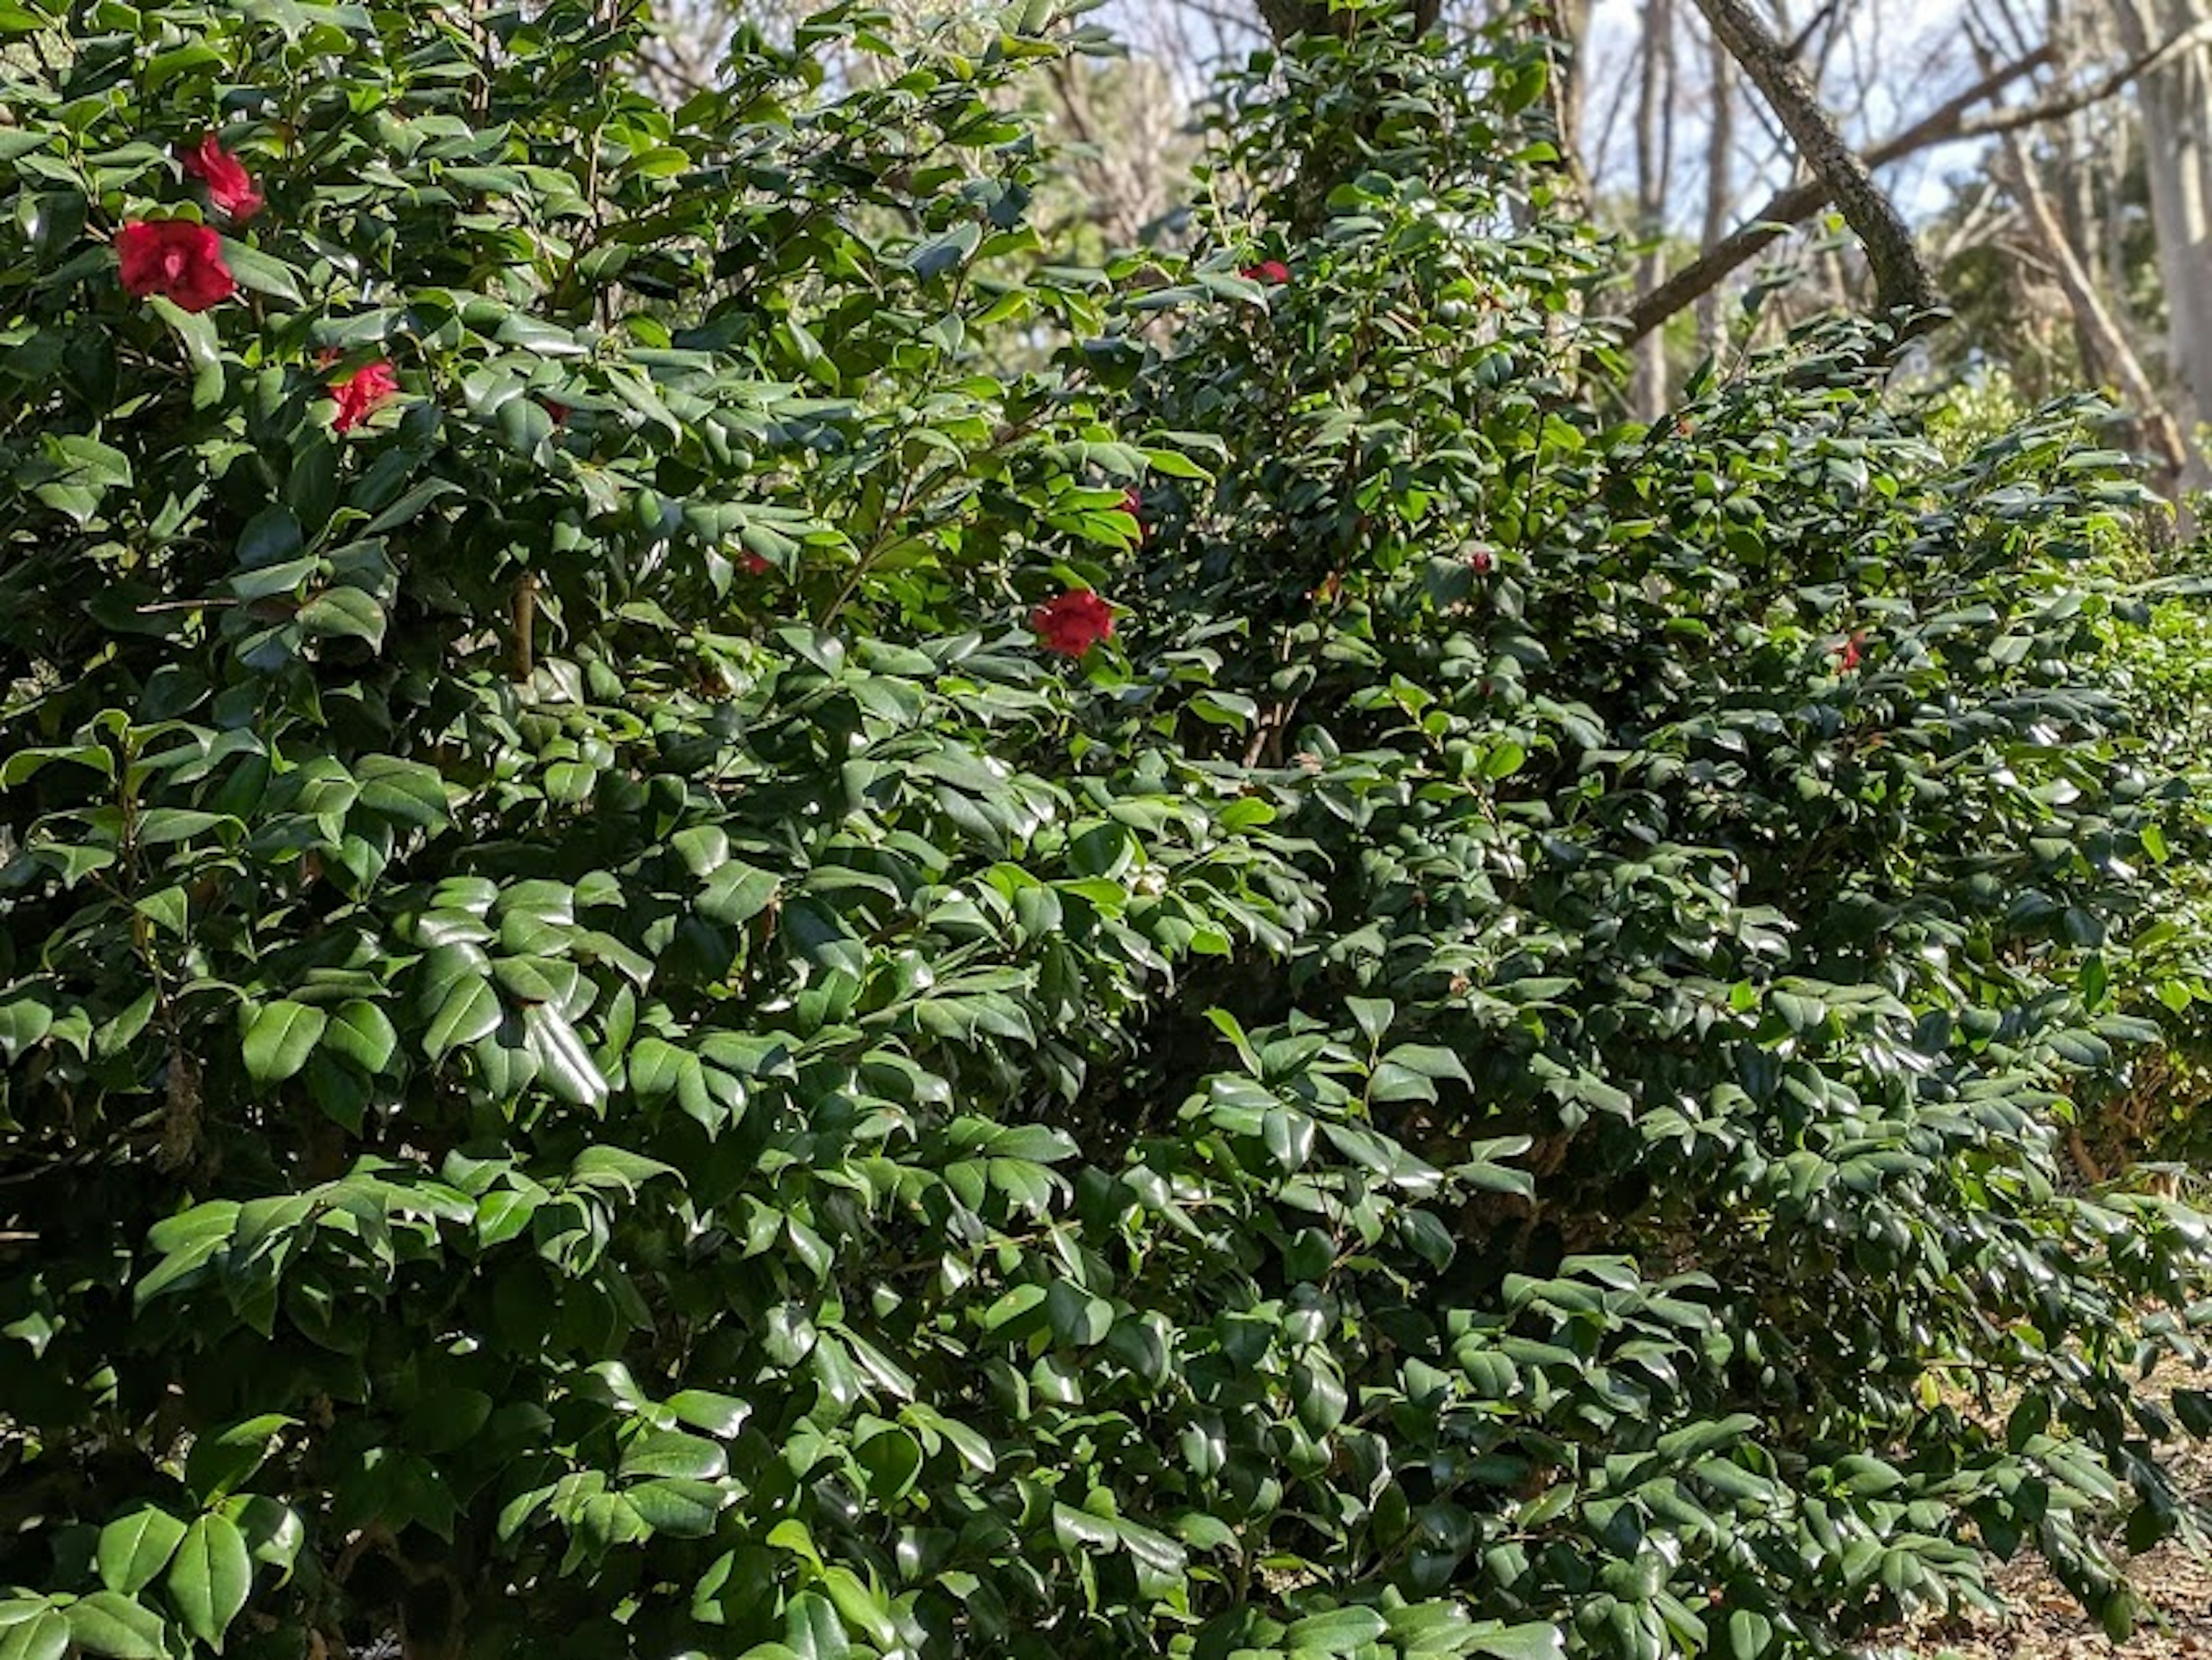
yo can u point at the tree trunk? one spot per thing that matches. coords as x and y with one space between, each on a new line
2176 100
1567 24
1796 203
1720 170
1655 129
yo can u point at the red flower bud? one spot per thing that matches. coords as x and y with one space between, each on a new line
754 565
230 187
361 392
1268 270
1072 622
1847 654
1133 505
1480 561
180 261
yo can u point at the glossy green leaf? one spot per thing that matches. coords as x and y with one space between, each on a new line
107 1623
133 1549
210 1578
279 1037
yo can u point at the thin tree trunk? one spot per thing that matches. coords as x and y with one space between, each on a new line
1719 179
1565 24
2176 100
1654 162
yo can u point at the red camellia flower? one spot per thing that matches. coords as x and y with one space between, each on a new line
361 392
1480 561
180 261
557 410
756 565
1073 623
1847 654
230 187
1268 270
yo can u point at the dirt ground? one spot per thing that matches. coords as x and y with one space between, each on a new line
2043 1623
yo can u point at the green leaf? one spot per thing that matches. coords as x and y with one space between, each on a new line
165 826
564 1064
718 1414
363 1034
679 1508
44 1636
219 1460
210 1579
704 848
892 1459
812 1629
470 1010
940 253
672 1453
618 1167
104 1623
403 790
1075 1528
23 1023
861 1606
737 893
1373 1015
1504 759
1427 1060
1748 1634
133 1549
2192 1406
1529 1642
1339 1631
188 1241
260 272
344 613
195 332
274 1532
272 537
279 1039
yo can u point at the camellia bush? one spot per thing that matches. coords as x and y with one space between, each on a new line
737 922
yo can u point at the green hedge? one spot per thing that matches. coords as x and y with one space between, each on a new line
629 1033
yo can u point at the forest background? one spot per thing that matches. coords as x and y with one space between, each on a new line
2051 154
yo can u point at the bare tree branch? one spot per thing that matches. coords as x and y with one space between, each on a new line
1813 24
1945 124
1902 279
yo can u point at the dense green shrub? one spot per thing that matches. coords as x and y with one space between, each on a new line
624 1038
1771 815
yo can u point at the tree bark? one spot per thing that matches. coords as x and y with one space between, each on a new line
2176 99
1564 26
1903 282
1654 166
1720 156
